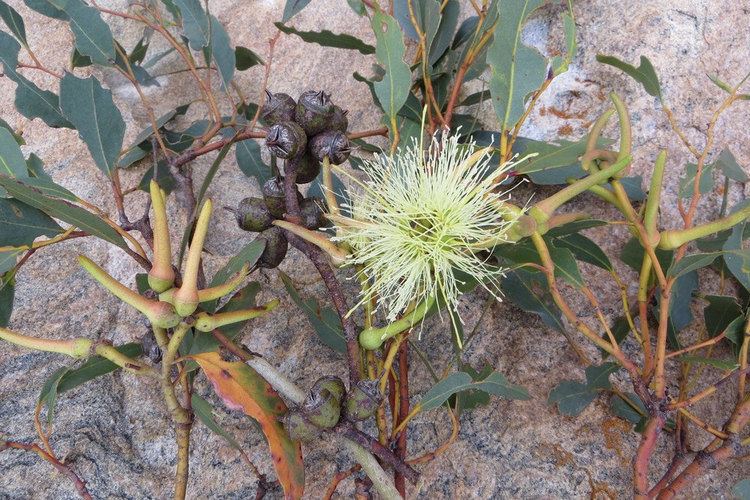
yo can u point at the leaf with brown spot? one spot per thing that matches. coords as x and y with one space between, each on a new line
241 388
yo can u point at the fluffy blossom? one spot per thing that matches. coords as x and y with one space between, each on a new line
422 223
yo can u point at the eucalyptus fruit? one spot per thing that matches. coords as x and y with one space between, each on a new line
323 410
339 121
276 247
278 108
311 210
306 167
286 140
333 385
363 400
273 195
253 215
332 144
314 111
299 427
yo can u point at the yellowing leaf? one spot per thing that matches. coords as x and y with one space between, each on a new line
241 388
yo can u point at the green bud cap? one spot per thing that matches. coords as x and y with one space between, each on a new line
299 428
363 400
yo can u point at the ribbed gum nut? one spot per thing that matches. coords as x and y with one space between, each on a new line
299 428
273 196
276 247
186 299
311 210
253 215
279 107
306 167
323 410
339 121
332 144
333 385
286 140
363 400
161 275
314 111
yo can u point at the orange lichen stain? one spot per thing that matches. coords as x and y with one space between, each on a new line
600 490
565 130
614 429
561 456
565 115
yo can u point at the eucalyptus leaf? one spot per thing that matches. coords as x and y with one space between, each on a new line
7 294
250 162
91 109
12 163
223 52
691 263
737 258
643 74
245 58
529 291
93 36
585 250
195 23
21 224
327 38
393 90
292 8
46 8
720 313
13 21
495 384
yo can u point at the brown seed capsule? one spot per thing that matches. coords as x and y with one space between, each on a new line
253 215
312 213
314 111
299 428
278 108
286 140
363 400
276 247
306 167
339 121
332 144
273 196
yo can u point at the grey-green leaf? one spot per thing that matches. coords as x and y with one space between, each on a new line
643 74
516 70
250 162
195 23
327 38
245 58
21 224
12 163
292 8
45 8
597 377
727 163
393 89
93 36
91 109
222 51
737 258
692 262
571 397
585 250
13 21
457 382
31 101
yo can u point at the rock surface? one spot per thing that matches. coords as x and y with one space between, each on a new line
114 431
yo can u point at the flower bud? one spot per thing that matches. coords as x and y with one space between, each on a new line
278 108
299 428
252 215
286 140
332 144
314 111
186 297
161 274
363 400
306 167
276 247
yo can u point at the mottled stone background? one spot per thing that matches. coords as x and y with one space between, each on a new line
115 432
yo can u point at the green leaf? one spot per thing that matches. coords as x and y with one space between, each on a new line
585 250
720 312
327 38
571 397
742 490
48 396
633 186
691 263
14 22
735 330
721 364
93 112
248 255
495 384
45 8
12 163
245 58
727 163
553 163
94 367
705 184
292 8
204 411
529 291
444 35
8 259
59 209
324 320
631 410
31 101
620 329
250 162
643 74
515 69
35 168
195 23
393 89
222 51
339 190
574 227
138 54
597 377
22 224
357 6
560 63
7 294
737 259
93 36
566 266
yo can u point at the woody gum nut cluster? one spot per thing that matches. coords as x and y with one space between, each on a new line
181 304
325 405
302 133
